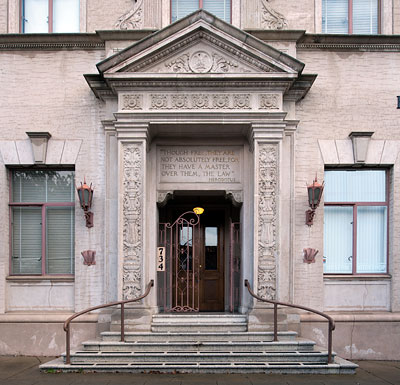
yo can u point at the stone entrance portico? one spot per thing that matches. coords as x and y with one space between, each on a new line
180 99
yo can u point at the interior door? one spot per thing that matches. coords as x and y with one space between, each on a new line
211 267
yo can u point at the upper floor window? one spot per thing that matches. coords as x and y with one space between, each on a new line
41 16
219 8
350 16
42 216
355 222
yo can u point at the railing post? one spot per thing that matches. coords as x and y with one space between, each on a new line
122 322
67 347
330 360
275 322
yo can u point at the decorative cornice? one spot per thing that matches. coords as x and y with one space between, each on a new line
351 47
46 41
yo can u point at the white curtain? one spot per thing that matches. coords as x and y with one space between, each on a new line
181 8
65 15
36 16
365 16
219 8
335 16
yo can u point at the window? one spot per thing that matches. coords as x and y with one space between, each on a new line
355 222
42 222
219 8
350 16
41 16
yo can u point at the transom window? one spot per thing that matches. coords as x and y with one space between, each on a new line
355 222
219 8
42 222
42 16
350 16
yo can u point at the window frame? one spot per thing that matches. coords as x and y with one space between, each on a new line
350 18
44 206
50 20
199 7
355 206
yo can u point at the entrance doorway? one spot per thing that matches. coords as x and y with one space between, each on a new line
201 255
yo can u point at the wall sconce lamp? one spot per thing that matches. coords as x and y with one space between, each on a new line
314 197
85 194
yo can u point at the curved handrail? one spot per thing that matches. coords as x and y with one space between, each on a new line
276 303
122 303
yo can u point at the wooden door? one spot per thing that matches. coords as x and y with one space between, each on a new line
211 269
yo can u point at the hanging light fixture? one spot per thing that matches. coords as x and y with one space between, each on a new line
314 191
198 210
85 194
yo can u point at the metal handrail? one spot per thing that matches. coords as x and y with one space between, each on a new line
122 303
276 303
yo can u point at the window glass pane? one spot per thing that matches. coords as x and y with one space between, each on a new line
211 248
365 16
35 16
29 186
60 186
181 8
26 240
60 240
43 186
219 8
335 16
355 186
65 15
371 239
338 239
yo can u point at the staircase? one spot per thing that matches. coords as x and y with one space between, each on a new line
201 343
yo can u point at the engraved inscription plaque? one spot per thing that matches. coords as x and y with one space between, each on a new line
199 164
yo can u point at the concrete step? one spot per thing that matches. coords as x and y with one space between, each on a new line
198 336
216 358
198 346
198 327
216 318
340 366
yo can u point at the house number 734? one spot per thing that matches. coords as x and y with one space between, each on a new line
160 258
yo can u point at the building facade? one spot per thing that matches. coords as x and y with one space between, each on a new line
232 106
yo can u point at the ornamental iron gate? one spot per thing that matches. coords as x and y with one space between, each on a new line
179 283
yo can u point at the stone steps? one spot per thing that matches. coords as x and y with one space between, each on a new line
198 336
201 343
198 346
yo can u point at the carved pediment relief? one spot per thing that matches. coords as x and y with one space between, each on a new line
202 58
201 48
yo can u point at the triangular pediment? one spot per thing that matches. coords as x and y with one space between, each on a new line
200 44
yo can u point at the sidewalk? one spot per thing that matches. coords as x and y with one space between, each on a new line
25 371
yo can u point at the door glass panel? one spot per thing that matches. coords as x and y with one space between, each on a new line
211 248
185 248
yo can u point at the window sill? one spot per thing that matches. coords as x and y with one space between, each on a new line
357 277
39 278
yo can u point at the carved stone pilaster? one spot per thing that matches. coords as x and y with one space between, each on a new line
133 19
132 216
267 232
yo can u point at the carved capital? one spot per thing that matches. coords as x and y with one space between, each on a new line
236 197
163 196
132 102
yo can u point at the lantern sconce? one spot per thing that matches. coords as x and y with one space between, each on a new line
85 194
314 198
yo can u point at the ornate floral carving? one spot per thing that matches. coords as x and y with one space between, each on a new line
132 19
271 19
179 101
159 102
132 102
241 101
201 101
221 64
200 62
269 102
221 101
267 220
132 220
180 64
